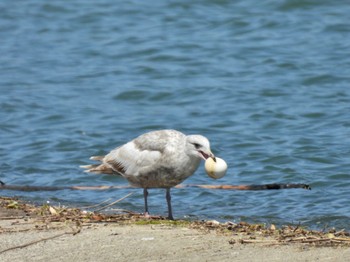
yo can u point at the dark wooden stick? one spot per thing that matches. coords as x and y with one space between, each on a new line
250 187
27 188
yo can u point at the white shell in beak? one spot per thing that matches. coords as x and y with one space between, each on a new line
215 169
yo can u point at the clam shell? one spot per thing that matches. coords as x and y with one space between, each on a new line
215 169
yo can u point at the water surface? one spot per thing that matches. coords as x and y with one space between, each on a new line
267 83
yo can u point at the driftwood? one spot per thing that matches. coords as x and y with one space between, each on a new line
28 188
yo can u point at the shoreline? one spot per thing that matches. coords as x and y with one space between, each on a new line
38 233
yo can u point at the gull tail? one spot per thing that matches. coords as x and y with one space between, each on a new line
97 158
98 168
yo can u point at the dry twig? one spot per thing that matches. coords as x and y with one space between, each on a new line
40 240
111 204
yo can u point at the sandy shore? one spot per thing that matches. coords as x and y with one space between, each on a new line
44 237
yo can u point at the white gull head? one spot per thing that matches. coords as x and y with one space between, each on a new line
199 146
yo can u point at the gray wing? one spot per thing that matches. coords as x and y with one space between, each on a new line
144 153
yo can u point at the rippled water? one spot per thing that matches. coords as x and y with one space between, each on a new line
267 83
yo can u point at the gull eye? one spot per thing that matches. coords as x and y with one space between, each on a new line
197 146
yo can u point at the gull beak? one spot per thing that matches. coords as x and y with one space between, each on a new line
212 156
206 155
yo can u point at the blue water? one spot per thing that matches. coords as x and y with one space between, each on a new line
267 82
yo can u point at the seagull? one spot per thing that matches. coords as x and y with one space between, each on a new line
157 159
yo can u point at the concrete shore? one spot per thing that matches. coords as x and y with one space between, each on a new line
36 238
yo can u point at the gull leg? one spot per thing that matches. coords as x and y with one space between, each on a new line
147 215
168 199
145 195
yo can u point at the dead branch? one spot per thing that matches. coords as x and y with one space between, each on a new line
275 186
250 187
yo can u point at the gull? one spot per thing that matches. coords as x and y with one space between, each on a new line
157 159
